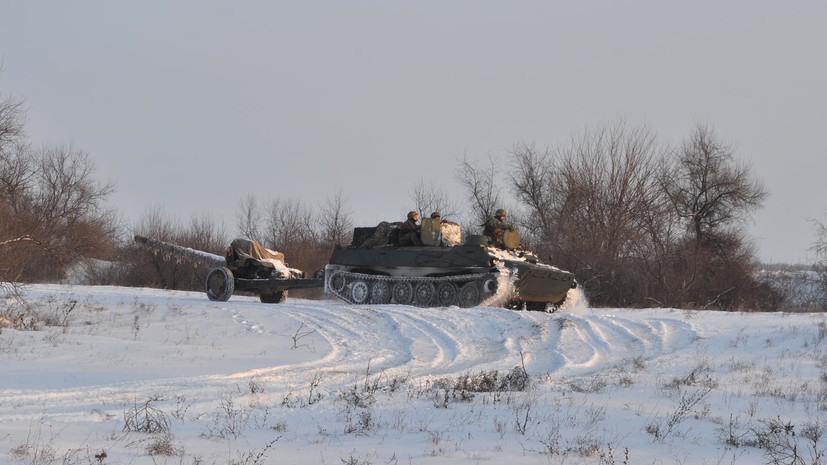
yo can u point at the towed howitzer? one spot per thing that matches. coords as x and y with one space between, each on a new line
246 266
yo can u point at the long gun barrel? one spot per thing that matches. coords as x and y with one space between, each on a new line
186 253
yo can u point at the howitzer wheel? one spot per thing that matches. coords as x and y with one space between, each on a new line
273 297
220 284
469 295
380 293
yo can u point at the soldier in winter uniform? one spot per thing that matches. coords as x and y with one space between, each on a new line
495 226
409 230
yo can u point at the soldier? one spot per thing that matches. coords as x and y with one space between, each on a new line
495 226
409 230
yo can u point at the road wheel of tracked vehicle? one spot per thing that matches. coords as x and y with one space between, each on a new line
425 294
337 282
275 297
380 293
220 284
360 292
469 295
446 294
403 293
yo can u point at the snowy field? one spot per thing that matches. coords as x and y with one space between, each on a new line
144 376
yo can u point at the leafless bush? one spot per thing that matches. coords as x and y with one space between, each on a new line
589 385
360 423
26 315
230 421
607 457
256 456
698 376
777 439
300 334
362 394
355 460
492 381
689 399
146 418
164 446
36 449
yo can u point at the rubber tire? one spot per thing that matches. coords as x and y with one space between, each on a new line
220 284
276 297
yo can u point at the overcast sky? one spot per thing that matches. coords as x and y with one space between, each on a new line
193 105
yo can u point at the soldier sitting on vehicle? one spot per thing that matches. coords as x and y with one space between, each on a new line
495 226
409 230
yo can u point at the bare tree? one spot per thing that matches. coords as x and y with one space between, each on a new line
712 195
534 178
12 121
480 184
819 247
288 222
148 268
336 221
248 218
428 198
16 173
708 187
207 234
588 202
51 196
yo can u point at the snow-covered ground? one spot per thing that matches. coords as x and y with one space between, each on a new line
144 376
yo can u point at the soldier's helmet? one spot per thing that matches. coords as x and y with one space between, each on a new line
500 213
412 215
436 215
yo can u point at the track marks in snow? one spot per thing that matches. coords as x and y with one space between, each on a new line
232 343
593 342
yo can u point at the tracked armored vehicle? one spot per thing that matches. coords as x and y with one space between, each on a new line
443 272
246 266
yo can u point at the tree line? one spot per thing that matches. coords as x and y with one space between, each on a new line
640 223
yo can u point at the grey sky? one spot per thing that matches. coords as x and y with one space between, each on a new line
369 97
